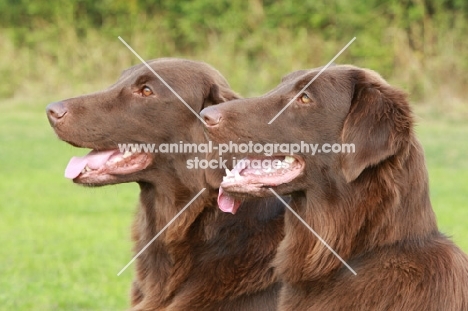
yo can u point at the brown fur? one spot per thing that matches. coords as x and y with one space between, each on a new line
372 206
206 259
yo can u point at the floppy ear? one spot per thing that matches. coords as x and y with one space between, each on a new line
219 94
379 122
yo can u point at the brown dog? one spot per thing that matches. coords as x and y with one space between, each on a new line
206 259
371 206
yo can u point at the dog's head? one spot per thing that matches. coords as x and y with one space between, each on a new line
352 117
140 108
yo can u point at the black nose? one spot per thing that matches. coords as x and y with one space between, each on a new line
211 115
55 112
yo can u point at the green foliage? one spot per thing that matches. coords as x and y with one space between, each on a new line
418 44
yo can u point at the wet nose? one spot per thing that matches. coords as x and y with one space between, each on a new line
211 116
55 112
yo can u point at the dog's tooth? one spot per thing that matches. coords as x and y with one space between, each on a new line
228 172
115 160
289 159
257 172
267 170
127 154
83 171
237 176
87 169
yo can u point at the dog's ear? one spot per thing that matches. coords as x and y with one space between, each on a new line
219 94
378 123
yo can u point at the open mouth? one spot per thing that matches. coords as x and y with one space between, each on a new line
104 166
253 175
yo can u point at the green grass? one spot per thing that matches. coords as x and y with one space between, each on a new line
446 149
62 245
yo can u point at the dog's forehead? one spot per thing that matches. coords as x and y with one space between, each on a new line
155 65
293 75
131 74
301 78
172 67
337 76
342 72
318 73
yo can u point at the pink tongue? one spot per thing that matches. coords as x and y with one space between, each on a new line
94 160
226 203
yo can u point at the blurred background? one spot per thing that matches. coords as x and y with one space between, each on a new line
61 245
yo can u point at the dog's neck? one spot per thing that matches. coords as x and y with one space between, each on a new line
160 202
171 185
375 210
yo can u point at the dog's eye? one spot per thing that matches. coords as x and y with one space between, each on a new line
303 98
146 91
